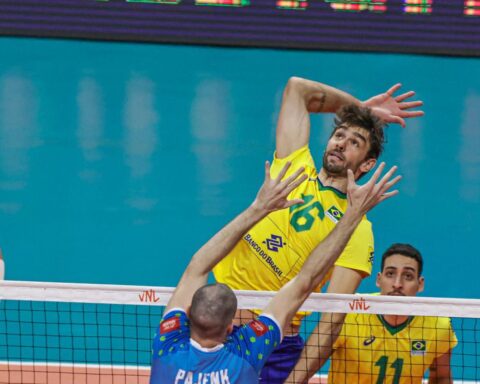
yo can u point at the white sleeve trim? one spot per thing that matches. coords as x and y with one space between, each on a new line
174 309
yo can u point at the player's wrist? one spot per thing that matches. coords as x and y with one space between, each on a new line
353 214
258 210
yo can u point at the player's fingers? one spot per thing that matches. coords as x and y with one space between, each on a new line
394 89
390 184
376 174
350 178
396 119
267 170
385 179
404 96
289 203
410 104
293 176
294 185
283 171
388 195
408 114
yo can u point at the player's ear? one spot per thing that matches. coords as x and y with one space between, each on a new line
377 282
367 165
230 328
421 284
187 311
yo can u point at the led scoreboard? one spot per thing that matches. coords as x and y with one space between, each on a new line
449 27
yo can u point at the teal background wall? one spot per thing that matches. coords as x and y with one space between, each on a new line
117 161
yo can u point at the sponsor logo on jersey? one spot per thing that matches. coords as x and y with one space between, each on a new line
258 327
369 341
170 325
419 347
370 259
264 255
334 214
274 242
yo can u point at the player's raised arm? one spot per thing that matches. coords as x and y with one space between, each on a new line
272 196
361 199
319 345
301 97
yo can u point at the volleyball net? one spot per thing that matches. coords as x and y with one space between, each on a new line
81 333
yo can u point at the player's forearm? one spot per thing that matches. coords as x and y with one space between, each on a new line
220 245
318 349
319 97
315 268
327 252
328 328
440 380
305 367
301 97
440 376
440 371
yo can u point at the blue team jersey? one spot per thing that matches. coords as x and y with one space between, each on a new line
177 359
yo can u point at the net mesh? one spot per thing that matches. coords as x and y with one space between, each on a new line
71 333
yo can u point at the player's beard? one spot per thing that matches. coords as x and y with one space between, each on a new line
337 170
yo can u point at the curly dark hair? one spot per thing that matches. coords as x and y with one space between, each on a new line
363 117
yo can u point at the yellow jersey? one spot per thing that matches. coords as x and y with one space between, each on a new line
272 252
369 350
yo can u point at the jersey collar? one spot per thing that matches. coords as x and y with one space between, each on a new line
203 349
395 329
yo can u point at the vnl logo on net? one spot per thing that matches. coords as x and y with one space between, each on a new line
359 304
148 296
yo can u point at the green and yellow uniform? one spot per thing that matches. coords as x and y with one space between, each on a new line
273 251
369 350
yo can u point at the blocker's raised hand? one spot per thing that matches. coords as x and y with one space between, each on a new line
364 197
273 193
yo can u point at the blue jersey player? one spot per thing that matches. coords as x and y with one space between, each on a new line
196 342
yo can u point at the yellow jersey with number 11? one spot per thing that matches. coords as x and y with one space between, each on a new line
369 350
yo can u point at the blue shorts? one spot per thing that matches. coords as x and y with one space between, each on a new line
282 361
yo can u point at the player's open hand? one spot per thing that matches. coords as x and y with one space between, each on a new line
394 109
273 194
364 197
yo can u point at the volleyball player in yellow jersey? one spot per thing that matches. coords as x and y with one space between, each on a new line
388 348
273 252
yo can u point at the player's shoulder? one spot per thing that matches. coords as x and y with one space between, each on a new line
173 333
263 326
255 341
364 228
365 223
173 319
353 318
300 157
435 322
